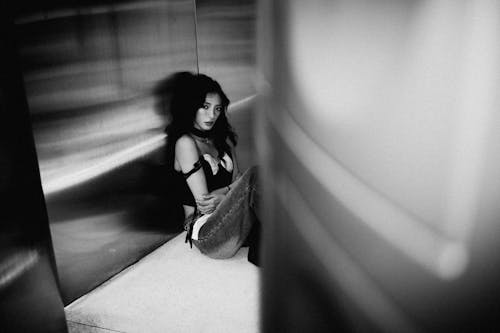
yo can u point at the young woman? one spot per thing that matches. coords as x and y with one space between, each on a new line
219 202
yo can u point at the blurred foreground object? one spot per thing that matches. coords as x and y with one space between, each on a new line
29 295
379 144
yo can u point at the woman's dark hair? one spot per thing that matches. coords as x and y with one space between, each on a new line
179 97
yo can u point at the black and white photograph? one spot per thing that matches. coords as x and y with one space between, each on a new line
250 166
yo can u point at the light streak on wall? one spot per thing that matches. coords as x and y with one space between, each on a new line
15 265
83 167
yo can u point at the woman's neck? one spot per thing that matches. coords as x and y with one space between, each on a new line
204 136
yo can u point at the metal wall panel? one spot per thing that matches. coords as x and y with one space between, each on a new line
226 51
89 69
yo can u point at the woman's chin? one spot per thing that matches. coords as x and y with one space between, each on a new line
204 126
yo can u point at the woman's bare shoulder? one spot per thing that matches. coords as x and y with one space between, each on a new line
185 143
186 152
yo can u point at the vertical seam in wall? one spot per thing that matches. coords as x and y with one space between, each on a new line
196 37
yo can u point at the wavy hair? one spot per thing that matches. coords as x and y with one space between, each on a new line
180 97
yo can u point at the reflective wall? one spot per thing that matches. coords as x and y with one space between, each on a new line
378 137
89 69
226 51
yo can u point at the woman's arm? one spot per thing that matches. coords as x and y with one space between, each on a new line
209 202
186 155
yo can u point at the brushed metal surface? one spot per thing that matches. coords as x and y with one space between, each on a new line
88 72
226 44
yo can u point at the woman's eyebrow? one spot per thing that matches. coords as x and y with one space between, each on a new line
211 104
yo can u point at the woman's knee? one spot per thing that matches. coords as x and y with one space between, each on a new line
251 175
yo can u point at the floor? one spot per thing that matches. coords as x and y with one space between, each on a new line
173 289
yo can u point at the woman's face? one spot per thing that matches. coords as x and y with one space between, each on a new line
207 115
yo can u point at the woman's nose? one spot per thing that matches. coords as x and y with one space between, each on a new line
211 113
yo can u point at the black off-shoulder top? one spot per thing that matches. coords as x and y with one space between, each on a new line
220 179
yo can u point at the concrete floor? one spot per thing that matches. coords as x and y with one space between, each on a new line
173 289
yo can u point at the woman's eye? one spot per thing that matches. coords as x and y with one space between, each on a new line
205 106
218 109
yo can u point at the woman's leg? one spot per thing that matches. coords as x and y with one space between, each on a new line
229 225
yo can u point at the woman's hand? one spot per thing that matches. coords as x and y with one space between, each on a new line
209 202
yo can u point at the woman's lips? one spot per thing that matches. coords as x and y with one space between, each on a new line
209 123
